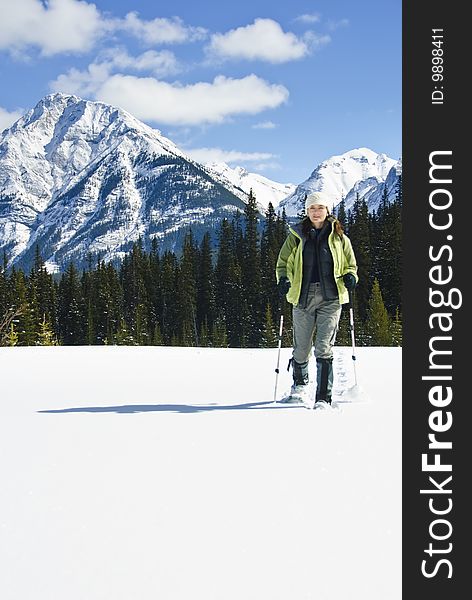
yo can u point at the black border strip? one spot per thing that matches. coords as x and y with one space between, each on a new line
435 396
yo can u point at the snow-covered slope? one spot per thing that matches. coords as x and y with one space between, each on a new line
372 190
85 179
265 190
361 168
167 473
79 177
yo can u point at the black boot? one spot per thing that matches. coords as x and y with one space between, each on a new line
300 372
324 379
300 382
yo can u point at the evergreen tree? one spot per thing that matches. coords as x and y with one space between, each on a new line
399 191
157 339
115 302
387 251
219 335
204 337
187 294
12 337
301 214
124 336
397 329
270 334
46 334
168 286
42 289
155 293
236 235
26 323
134 274
343 337
394 290
205 289
341 214
251 275
359 234
141 325
270 247
230 304
378 322
88 290
71 309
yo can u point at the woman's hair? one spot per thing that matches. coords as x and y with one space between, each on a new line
338 228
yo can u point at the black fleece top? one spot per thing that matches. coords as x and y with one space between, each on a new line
318 264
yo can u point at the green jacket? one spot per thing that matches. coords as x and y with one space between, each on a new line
290 262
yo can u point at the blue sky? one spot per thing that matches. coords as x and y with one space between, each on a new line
274 87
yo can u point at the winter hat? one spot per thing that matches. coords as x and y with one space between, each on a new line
318 198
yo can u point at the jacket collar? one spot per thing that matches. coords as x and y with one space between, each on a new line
298 231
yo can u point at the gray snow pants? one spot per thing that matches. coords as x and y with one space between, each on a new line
320 318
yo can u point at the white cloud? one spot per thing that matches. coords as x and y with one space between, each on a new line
264 125
55 27
152 100
218 155
160 30
159 63
89 81
8 118
314 40
262 40
82 83
59 26
308 18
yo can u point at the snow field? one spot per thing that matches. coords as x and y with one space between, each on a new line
139 473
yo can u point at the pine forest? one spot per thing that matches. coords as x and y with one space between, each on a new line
218 292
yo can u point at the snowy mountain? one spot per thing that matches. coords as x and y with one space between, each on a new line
265 190
80 177
360 171
372 190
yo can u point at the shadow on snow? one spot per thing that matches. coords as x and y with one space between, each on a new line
176 408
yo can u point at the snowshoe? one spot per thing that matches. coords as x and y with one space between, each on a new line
299 394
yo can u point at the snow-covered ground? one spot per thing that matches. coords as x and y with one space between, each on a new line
168 473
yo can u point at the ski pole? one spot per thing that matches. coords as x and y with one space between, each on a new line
281 324
351 327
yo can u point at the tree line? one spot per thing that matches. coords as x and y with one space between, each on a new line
219 293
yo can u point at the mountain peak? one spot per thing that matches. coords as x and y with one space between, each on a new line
339 174
79 176
56 97
265 190
73 108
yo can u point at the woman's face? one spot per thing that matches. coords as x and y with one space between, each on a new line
317 214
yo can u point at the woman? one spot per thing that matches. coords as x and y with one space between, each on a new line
315 269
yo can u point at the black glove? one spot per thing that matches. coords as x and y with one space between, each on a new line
283 286
349 281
